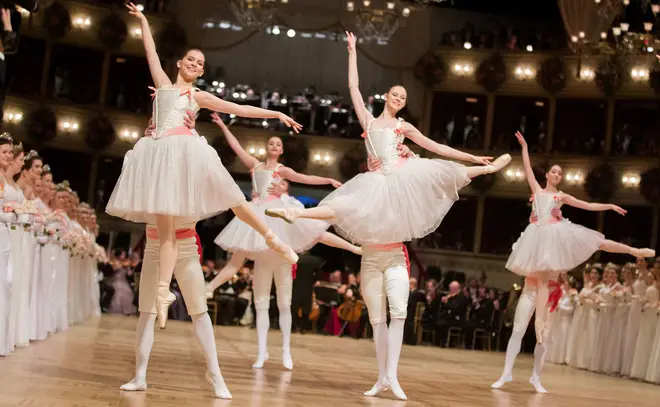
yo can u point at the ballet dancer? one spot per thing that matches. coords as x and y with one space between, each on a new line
569 245
407 199
175 177
244 243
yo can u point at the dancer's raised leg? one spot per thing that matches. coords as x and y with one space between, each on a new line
206 341
166 226
291 214
261 284
616 247
144 341
284 286
332 240
499 163
245 213
524 312
228 271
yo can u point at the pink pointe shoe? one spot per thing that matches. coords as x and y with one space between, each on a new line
164 298
283 249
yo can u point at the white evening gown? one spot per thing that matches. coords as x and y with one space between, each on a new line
646 336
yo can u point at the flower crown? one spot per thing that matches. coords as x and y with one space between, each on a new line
32 154
45 169
6 136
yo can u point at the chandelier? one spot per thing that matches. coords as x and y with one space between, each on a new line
255 13
378 20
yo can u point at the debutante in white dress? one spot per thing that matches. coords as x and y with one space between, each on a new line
174 172
616 337
632 325
301 235
561 327
586 334
6 331
653 370
579 318
60 312
646 336
550 245
605 336
405 200
39 297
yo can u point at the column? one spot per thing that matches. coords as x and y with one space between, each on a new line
552 115
654 226
94 170
609 128
45 69
490 117
105 77
479 227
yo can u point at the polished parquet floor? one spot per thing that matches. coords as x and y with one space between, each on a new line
86 365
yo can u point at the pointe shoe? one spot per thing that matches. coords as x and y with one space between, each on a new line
643 253
259 364
286 214
536 382
284 250
287 361
134 385
164 299
499 163
379 387
219 387
501 382
397 391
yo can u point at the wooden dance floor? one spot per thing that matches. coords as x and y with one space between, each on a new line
86 365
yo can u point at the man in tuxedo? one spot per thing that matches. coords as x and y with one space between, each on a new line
309 267
452 310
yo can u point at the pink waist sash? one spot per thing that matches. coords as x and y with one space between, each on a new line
152 233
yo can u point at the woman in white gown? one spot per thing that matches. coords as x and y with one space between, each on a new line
646 336
7 219
634 317
576 322
245 243
561 325
175 177
653 369
608 341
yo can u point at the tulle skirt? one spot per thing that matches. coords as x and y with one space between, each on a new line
301 235
554 247
175 175
409 203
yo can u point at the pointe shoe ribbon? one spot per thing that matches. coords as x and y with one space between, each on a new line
284 250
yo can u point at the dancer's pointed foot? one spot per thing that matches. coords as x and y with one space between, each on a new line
289 215
137 384
394 385
643 253
283 249
164 299
499 163
501 382
219 387
536 382
380 386
287 361
259 363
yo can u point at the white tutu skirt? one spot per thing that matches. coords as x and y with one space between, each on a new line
554 247
175 175
301 235
409 203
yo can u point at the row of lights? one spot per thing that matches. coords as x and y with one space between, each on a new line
629 180
350 6
84 22
319 157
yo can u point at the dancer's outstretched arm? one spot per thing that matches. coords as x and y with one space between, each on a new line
527 164
208 101
157 73
591 206
294 176
363 115
247 160
426 143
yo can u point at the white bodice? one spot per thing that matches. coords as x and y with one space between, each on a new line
566 301
606 293
652 294
262 178
170 107
382 143
13 194
639 287
543 204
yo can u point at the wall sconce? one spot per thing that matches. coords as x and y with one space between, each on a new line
136 32
69 125
462 69
128 135
13 116
322 158
630 180
514 175
83 22
639 74
524 72
257 151
574 178
587 74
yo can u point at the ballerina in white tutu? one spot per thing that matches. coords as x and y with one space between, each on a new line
548 247
176 177
406 199
243 242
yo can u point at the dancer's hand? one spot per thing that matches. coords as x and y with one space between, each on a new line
290 123
149 131
482 160
335 183
556 213
404 151
373 164
521 139
351 40
217 120
618 210
134 11
277 189
189 120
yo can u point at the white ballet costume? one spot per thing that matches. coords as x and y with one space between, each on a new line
524 311
632 326
646 336
551 245
174 172
561 327
405 200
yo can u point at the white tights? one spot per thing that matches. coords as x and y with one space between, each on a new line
524 311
